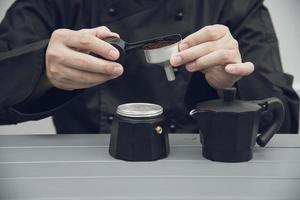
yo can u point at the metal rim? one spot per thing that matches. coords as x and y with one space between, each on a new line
139 110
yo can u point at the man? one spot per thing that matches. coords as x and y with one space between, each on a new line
46 66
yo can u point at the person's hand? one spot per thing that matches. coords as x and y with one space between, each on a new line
213 51
70 66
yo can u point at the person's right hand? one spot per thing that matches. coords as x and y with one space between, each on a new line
70 66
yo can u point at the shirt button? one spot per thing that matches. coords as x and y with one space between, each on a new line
112 11
110 119
172 127
176 70
179 15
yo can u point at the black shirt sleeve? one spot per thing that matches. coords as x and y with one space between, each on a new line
251 25
24 34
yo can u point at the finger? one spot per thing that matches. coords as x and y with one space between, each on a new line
100 32
195 52
89 42
208 33
242 69
219 57
191 54
85 62
80 79
104 32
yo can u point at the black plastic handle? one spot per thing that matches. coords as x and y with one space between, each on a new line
275 106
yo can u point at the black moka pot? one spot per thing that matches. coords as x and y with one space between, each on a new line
229 127
139 133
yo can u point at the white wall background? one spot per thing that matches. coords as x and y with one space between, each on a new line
286 18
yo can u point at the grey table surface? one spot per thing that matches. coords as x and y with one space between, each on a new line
63 167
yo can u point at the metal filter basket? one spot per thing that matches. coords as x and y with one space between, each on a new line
157 50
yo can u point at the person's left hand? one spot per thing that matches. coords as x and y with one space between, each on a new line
213 51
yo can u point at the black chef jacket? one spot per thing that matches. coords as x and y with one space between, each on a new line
27 27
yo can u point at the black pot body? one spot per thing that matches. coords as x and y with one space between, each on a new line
137 139
229 137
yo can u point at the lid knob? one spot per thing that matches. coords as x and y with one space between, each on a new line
229 94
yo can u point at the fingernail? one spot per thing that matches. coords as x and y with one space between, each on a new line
191 67
176 60
231 69
116 34
118 71
114 54
183 46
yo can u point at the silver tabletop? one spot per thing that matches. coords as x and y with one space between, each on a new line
63 167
